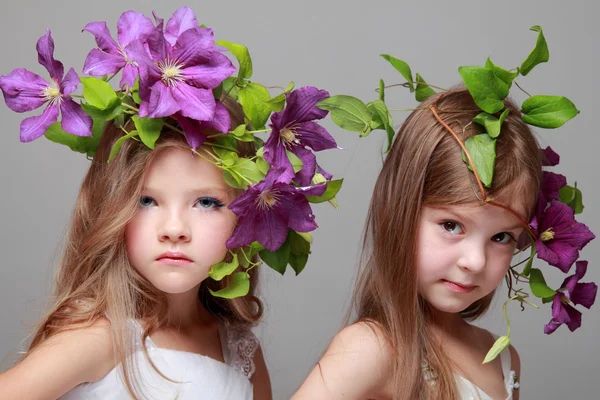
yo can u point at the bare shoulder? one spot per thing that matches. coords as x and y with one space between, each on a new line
60 363
515 365
356 365
260 380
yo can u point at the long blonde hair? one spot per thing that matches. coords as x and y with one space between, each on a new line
424 167
95 278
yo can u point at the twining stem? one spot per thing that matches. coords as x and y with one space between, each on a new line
523 90
110 77
407 84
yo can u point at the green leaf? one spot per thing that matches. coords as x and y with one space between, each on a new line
482 149
492 124
135 91
278 102
228 141
248 170
111 111
277 259
242 54
98 93
529 263
401 67
306 236
333 187
485 87
81 144
540 53
149 129
94 141
381 90
572 196
548 111
294 160
262 165
223 269
299 251
347 112
230 87
499 346
506 76
423 91
381 119
298 262
253 98
538 285
119 143
239 286
234 180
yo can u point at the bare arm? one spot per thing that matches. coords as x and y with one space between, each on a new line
355 366
260 380
515 363
60 363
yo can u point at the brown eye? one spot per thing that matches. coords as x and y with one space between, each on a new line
452 227
503 237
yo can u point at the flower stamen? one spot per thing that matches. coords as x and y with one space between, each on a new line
289 137
52 93
267 199
171 72
547 235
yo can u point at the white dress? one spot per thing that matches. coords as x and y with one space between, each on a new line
198 376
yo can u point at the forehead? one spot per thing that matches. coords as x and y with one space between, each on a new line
180 168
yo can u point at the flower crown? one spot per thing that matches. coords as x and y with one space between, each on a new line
174 76
555 236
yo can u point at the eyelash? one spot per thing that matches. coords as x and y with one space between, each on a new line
444 226
212 202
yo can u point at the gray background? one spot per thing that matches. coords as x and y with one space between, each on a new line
332 45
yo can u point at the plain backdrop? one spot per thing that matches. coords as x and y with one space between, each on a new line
334 45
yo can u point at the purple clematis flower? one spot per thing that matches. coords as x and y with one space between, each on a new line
560 236
551 184
25 91
194 131
294 129
549 157
266 211
179 78
113 56
571 291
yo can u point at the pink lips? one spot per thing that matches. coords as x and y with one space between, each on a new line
459 287
173 258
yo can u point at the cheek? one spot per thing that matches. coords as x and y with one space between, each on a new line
136 240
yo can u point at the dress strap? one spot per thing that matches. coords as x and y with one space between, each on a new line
505 360
239 347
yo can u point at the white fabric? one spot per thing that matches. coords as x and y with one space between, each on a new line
200 377
468 390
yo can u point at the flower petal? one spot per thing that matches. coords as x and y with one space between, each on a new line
557 253
585 294
74 119
549 157
69 83
210 74
315 136
133 26
45 49
158 47
34 127
23 90
194 46
222 120
181 20
195 103
309 165
191 130
244 232
326 174
130 74
162 103
551 184
103 37
271 228
301 105
275 155
301 218
574 320
99 63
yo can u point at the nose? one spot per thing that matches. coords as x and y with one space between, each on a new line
175 228
473 257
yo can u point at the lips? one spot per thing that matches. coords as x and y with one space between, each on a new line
174 258
459 287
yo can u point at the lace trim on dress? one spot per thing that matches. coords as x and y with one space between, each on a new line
242 344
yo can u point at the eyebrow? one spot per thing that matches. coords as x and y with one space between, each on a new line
468 218
200 189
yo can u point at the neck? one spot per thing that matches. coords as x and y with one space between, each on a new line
449 324
186 309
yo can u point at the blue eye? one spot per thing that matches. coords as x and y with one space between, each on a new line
503 237
452 227
147 201
209 203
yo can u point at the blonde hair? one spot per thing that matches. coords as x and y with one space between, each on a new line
95 278
424 167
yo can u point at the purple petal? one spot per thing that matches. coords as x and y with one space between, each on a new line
222 120
74 119
271 228
549 157
574 320
69 83
99 63
326 174
23 90
149 72
315 136
181 20
45 49
275 155
195 103
194 46
103 37
243 234
557 253
133 26
209 75
130 74
158 47
551 326
314 190
577 235
551 184
34 127
301 105
309 165
159 21
301 218
584 294
192 131
162 103
571 281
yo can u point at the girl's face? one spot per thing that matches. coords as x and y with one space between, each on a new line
182 222
464 252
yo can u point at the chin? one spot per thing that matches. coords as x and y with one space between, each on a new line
177 284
